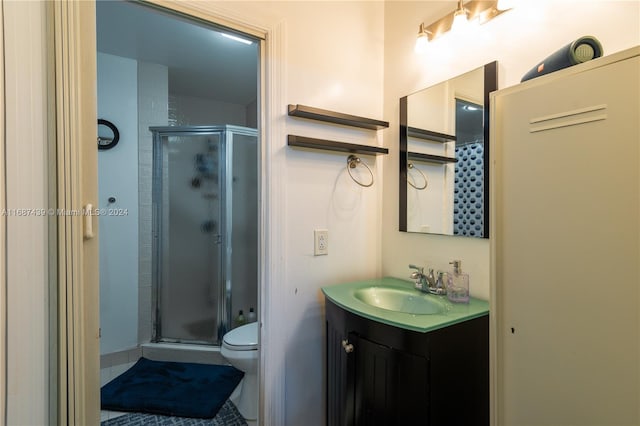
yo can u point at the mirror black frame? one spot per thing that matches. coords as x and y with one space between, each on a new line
490 85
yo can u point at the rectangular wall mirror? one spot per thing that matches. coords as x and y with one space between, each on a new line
444 156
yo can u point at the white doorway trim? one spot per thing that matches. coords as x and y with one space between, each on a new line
272 246
3 237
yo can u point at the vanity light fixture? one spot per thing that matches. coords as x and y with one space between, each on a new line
476 11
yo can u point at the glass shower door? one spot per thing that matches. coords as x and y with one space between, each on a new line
242 196
189 193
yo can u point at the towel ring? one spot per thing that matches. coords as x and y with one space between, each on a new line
352 163
426 182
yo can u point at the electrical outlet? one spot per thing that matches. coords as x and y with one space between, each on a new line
320 242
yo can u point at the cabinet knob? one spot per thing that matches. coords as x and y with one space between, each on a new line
348 347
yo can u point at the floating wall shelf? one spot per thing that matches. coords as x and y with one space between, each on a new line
336 117
415 132
430 158
304 142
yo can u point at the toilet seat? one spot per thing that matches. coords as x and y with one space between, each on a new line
243 338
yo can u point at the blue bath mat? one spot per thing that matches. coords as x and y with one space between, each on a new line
171 388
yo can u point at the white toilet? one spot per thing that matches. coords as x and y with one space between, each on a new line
240 348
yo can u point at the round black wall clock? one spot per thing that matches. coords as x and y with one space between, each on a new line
108 135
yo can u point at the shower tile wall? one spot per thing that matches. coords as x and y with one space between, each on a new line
468 213
153 104
195 111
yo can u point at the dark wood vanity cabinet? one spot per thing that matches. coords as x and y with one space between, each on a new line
383 375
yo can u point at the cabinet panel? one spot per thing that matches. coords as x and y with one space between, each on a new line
401 377
459 357
391 386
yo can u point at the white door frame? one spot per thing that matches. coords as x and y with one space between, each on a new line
75 61
3 239
76 129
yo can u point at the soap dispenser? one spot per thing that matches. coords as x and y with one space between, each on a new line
457 284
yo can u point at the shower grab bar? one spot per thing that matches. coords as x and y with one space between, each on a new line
352 163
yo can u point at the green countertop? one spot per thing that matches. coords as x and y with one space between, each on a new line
343 295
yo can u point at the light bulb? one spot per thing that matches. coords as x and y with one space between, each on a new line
421 43
459 20
422 40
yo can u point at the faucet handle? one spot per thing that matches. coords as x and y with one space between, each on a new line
431 279
442 280
417 268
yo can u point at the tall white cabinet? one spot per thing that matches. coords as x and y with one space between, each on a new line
565 246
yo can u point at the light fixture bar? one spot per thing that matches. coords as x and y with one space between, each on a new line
477 10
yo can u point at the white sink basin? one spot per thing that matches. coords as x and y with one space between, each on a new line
399 300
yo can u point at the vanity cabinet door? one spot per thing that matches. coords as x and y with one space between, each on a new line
339 375
391 386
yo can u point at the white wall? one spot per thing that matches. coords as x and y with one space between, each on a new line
118 178
332 59
340 69
134 96
518 40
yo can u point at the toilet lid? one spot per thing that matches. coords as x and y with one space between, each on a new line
243 338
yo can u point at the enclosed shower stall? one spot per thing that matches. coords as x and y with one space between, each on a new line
205 230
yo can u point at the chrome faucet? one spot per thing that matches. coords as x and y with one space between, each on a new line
428 283
420 278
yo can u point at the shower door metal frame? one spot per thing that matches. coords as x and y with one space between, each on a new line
229 131
225 169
